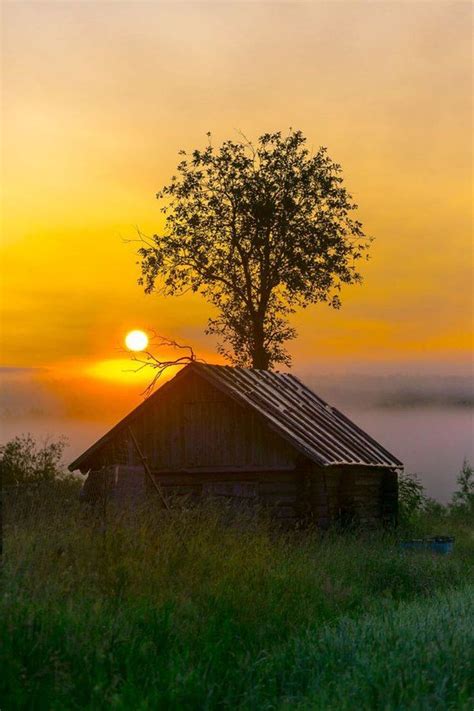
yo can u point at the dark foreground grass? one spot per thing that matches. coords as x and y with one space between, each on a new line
240 617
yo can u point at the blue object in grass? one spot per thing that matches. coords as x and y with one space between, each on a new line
441 544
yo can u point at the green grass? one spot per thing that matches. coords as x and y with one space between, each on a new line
239 618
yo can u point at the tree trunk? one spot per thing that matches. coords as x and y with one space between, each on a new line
260 356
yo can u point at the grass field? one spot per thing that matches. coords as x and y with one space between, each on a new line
238 617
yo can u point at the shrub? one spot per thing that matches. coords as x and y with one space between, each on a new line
411 496
463 499
23 461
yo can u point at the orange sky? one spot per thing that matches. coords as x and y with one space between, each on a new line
98 97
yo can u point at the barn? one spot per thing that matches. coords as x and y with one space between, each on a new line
247 436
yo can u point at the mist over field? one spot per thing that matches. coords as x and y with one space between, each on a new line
396 391
425 420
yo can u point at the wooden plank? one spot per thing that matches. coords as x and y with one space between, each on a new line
277 500
284 512
231 489
281 488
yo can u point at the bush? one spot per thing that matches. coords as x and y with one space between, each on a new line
463 499
23 461
412 499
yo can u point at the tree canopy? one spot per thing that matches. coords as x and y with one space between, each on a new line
259 229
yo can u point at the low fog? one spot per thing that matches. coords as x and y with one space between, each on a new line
426 421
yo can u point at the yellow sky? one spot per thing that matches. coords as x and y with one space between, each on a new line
98 97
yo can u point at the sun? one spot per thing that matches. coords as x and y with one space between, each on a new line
136 340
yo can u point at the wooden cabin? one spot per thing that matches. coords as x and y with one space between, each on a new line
248 436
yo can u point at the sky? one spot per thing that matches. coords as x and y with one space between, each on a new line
98 98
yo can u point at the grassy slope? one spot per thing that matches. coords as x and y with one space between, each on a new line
237 619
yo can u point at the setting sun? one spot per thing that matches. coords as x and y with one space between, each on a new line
136 341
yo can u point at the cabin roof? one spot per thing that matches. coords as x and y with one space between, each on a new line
296 413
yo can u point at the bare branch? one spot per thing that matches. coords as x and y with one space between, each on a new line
148 359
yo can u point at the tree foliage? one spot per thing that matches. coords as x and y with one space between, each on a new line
463 497
23 461
411 495
259 230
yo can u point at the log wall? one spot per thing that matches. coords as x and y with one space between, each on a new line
277 490
308 494
353 494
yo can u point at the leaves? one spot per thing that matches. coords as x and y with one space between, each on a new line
463 497
258 230
23 461
411 495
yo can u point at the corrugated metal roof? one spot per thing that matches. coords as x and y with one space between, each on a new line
322 432
314 428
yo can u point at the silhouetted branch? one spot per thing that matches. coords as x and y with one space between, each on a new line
148 359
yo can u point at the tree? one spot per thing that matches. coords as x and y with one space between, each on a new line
258 230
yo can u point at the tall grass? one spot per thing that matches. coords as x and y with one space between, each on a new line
239 616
